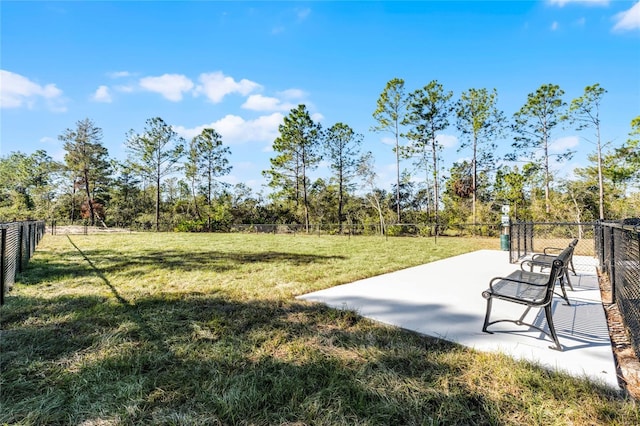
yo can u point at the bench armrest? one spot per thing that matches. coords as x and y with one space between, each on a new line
515 281
530 264
554 249
536 256
539 260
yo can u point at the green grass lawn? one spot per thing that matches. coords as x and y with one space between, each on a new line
205 329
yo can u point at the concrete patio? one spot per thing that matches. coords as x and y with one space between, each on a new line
443 299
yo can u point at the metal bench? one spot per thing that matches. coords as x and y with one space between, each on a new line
545 259
531 289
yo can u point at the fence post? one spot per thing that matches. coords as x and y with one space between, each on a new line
511 249
601 242
3 263
32 239
612 264
20 248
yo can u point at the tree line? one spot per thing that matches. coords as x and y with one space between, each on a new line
170 183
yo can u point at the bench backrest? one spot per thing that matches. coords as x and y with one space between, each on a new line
557 270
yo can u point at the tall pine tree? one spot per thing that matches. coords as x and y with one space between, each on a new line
390 114
155 153
86 159
533 126
297 149
429 109
480 122
342 146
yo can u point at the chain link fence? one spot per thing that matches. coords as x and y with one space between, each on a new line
612 246
527 238
18 241
618 247
389 230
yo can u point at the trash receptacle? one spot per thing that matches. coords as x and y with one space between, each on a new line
504 242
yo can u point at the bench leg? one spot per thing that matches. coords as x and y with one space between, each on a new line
566 274
552 330
486 317
520 321
564 293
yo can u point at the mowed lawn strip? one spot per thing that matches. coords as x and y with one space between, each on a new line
204 329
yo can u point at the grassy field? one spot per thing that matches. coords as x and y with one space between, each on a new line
204 329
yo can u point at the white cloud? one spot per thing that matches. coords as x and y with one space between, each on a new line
447 141
317 117
171 86
629 19
266 103
215 86
463 159
237 130
53 147
554 26
17 91
388 141
293 94
303 14
102 95
255 185
244 165
563 144
119 74
58 155
562 3
124 88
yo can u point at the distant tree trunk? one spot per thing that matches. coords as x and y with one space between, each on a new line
585 112
578 215
389 114
600 180
158 201
474 179
340 202
435 183
547 178
73 202
398 174
375 203
89 200
305 199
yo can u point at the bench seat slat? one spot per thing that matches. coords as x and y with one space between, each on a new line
528 286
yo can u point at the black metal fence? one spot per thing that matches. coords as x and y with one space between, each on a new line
520 240
618 247
615 245
18 241
526 238
390 230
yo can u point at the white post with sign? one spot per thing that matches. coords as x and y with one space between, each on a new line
504 236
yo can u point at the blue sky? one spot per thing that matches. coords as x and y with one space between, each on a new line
240 66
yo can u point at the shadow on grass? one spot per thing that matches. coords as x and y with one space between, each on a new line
205 358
